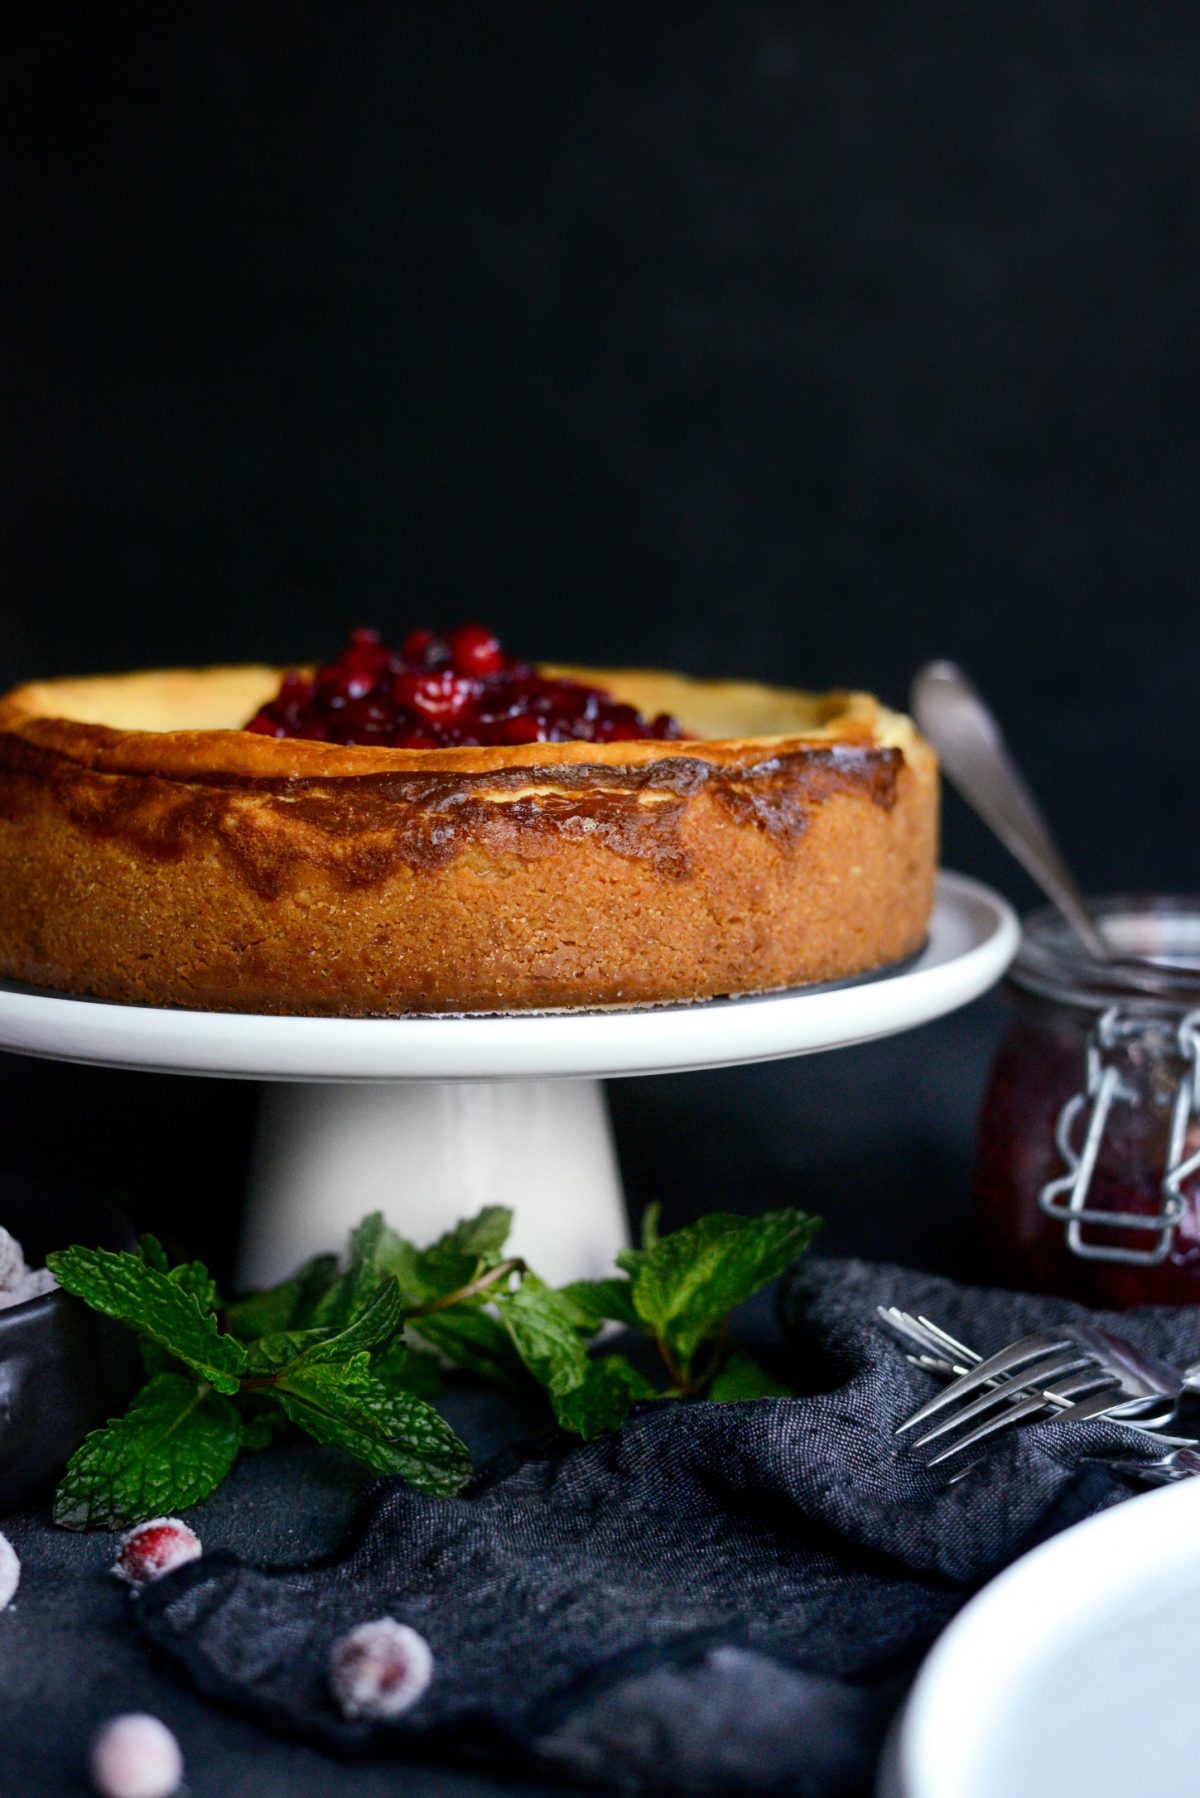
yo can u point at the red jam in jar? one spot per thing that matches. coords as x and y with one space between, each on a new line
1085 1183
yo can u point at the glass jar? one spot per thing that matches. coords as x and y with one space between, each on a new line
1088 1170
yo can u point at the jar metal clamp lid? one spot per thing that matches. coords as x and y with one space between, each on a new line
1132 1030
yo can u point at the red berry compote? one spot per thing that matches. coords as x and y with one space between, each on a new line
446 692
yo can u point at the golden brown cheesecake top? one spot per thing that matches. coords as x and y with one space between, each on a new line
186 724
767 755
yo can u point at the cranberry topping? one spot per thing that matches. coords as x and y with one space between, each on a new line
442 692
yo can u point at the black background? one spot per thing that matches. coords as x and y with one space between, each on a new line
796 341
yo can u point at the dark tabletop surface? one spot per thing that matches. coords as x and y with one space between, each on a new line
70 1656
878 1139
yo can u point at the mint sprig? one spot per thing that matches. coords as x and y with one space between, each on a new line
545 1334
686 1284
350 1353
596 1302
343 1404
477 1343
127 1288
287 1306
604 1397
174 1445
743 1377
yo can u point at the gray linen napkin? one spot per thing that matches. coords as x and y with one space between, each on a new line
717 1598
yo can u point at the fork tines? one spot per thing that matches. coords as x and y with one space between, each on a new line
1023 1355
1042 1373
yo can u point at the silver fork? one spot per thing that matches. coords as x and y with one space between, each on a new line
943 1355
1066 1376
1182 1463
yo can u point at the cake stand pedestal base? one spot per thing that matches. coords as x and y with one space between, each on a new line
426 1154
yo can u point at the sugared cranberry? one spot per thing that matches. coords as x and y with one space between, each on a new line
379 1669
154 1548
442 692
12 1261
135 1756
10 1572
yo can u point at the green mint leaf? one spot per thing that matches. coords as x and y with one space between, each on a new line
603 1400
542 1325
268 1355
597 1302
154 1359
153 1254
744 1377
402 1260
402 1368
175 1444
484 1234
122 1286
344 1405
194 1278
475 1342
375 1252
690 1280
287 1306
422 1275
650 1222
458 1257
376 1323
261 1426
442 1278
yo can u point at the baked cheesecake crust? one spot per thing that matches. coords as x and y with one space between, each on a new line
208 867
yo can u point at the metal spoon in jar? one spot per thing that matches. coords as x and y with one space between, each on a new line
977 760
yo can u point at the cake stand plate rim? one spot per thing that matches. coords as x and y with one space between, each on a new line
973 936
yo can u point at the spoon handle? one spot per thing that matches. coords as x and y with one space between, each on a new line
976 759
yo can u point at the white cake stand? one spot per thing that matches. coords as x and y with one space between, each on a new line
428 1118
